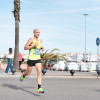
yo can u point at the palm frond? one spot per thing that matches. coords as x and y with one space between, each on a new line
44 55
62 57
53 55
55 49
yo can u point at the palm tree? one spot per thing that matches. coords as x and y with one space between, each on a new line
16 13
51 56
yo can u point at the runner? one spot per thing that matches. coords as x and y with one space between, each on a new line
34 59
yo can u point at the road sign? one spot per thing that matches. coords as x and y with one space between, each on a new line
97 41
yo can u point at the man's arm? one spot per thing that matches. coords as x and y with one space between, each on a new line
28 44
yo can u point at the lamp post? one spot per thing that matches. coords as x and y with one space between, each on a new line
85 32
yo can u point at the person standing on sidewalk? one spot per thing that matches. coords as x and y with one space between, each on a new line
9 56
20 60
34 59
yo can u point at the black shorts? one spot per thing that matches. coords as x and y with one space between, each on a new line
32 63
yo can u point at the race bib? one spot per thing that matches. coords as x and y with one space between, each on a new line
36 51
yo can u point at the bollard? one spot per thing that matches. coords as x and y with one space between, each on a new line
72 71
13 70
98 72
44 71
98 68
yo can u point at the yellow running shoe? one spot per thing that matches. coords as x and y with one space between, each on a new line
21 78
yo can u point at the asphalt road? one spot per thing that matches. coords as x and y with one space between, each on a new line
55 89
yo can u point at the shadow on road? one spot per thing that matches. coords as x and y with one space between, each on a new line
15 87
97 90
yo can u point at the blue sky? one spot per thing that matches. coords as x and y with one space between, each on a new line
61 23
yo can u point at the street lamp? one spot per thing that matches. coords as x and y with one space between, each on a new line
85 33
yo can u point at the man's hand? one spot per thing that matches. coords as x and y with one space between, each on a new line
36 44
29 45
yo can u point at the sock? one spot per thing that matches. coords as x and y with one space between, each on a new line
39 86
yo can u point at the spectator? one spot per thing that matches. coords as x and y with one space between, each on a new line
20 60
9 56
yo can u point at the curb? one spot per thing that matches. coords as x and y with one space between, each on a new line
67 77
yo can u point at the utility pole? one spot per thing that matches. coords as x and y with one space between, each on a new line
85 38
16 13
85 32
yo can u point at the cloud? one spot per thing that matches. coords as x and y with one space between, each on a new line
66 11
92 9
30 4
56 12
98 1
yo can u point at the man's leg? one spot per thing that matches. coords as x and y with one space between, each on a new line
28 72
39 77
39 73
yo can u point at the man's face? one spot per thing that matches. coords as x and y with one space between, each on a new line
36 33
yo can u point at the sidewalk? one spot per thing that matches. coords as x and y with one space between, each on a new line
52 74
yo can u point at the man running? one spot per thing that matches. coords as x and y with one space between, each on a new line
34 59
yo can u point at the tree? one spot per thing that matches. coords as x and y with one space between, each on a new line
16 13
51 56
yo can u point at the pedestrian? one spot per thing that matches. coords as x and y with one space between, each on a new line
34 59
9 56
20 60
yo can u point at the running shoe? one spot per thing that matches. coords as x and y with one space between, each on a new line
21 78
40 90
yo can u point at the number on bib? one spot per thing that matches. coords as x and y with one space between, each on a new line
36 51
